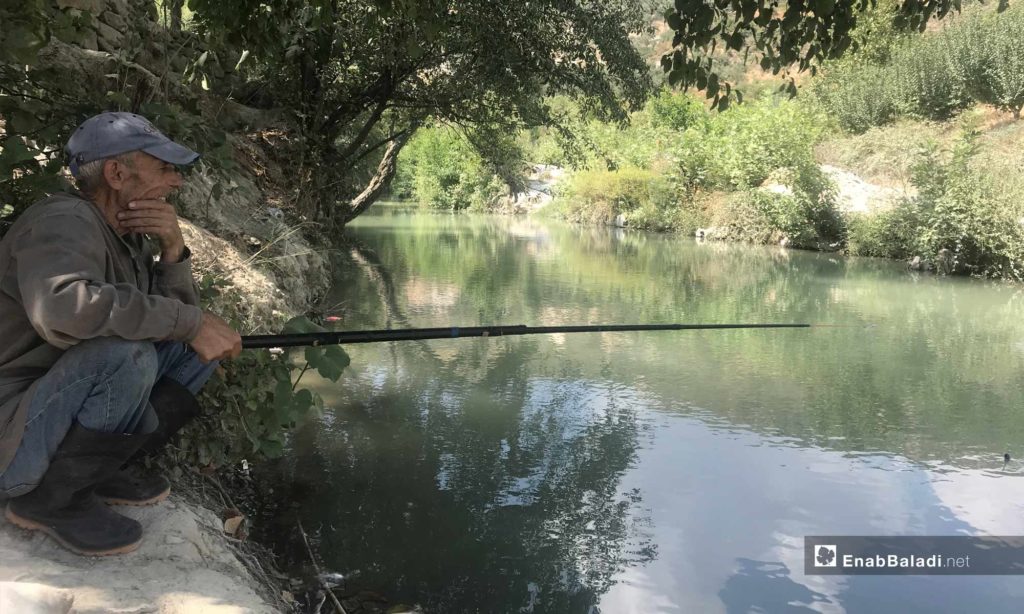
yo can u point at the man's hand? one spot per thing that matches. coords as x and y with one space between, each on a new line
216 340
157 218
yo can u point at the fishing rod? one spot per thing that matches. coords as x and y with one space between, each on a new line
459 332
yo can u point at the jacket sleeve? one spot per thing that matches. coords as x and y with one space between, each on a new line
174 280
61 281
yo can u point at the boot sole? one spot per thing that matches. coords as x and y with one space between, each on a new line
136 502
32 525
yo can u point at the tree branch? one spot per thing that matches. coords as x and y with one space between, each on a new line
364 132
385 172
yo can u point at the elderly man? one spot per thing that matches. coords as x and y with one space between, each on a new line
102 347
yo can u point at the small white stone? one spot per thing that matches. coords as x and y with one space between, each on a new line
174 540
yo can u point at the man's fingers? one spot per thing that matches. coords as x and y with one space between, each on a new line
149 230
139 205
145 221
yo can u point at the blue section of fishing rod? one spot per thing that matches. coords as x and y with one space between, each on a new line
455 332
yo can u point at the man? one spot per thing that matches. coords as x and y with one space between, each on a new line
101 347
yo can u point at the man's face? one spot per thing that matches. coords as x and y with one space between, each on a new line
148 178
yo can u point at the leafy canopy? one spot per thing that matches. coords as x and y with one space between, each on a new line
366 74
779 34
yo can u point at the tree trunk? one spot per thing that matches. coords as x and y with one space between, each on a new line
174 6
379 183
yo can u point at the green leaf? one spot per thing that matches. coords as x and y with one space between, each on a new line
301 324
282 396
21 121
15 152
273 449
331 362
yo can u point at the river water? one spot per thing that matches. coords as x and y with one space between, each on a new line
661 471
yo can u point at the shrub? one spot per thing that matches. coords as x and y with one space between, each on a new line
968 224
803 213
885 234
599 196
676 111
924 81
1003 82
746 144
252 403
962 220
857 96
978 58
441 170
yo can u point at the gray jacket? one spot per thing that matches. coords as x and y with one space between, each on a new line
66 276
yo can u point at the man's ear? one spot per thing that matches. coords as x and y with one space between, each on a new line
115 173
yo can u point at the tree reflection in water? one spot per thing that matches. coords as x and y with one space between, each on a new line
468 496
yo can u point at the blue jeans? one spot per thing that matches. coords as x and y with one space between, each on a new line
104 385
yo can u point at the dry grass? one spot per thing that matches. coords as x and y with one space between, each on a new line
884 155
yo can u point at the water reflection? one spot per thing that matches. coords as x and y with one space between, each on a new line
656 472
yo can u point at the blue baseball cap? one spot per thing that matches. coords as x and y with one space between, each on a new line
110 134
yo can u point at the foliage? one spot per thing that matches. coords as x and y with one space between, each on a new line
363 75
920 80
601 195
35 122
999 68
658 169
962 220
40 105
442 170
795 217
968 224
778 35
746 144
978 58
674 112
254 400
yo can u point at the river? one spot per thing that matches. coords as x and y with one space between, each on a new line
656 471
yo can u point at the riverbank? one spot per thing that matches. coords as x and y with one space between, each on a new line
185 564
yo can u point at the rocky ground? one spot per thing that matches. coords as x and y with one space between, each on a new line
185 564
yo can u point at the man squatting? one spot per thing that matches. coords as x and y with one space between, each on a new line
102 348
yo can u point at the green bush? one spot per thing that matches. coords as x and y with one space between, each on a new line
1003 69
659 168
802 214
441 170
743 146
253 401
857 96
978 58
968 223
924 81
601 195
962 220
885 234
676 111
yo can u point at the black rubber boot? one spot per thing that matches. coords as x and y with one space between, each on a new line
175 407
64 505
133 486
